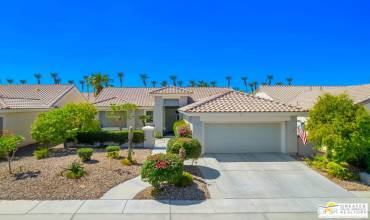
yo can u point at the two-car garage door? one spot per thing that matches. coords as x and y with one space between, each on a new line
242 138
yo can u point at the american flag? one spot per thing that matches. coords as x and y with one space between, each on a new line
302 133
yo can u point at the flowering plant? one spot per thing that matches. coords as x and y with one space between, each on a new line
184 131
161 165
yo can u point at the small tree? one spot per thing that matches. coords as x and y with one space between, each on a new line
130 145
340 128
121 113
144 119
9 145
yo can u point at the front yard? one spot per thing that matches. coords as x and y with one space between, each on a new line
42 179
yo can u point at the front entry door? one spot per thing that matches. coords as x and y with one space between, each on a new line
171 115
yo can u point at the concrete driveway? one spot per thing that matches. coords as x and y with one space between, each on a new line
258 176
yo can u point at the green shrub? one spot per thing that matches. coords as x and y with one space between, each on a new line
157 134
118 137
192 147
185 180
319 162
41 153
85 153
2 155
75 171
113 152
159 169
126 162
341 171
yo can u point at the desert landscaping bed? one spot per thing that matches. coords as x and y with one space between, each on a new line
42 179
196 191
351 185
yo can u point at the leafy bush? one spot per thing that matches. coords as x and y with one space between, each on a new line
185 180
192 147
319 162
341 171
113 152
9 145
119 137
85 153
157 134
41 153
340 128
159 169
63 124
181 129
75 171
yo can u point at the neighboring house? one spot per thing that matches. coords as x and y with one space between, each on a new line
159 103
224 120
21 104
306 96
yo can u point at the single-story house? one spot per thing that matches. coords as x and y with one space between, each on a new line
306 96
21 104
224 120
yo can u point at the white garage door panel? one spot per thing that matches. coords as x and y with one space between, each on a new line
242 138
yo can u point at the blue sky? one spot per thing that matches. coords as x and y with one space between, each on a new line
315 42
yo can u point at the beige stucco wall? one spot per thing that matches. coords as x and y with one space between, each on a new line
73 96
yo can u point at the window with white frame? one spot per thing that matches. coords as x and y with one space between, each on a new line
150 116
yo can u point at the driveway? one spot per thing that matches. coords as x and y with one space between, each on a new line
259 176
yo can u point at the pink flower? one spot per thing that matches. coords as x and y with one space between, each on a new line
161 165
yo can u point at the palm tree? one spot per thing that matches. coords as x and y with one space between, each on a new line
269 78
228 79
82 82
120 77
154 83
192 83
58 80
173 78
279 83
164 83
289 80
202 83
143 78
244 79
180 83
97 82
22 81
10 81
87 80
54 76
213 83
255 84
71 81
107 80
251 85
38 77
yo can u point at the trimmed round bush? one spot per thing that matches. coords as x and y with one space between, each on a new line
41 153
185 180
159 169
113 151
75 171
192 147
85 153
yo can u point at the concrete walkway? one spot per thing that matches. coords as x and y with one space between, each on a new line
303 208
129 188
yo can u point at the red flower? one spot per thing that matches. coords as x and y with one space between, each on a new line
161 165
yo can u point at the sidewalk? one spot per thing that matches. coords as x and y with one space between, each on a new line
299 208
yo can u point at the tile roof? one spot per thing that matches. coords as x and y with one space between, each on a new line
142 96
306 96
233 101
31 96
171 90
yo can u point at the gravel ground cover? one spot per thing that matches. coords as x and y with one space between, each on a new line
42 179
197 191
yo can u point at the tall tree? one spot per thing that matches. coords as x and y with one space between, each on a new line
154 83
97 82
213 83
107 80
144 77
58 80
82 83
173 78
38 77
164 83
54 76
192 83
10 81
244 79
228 79
180 83
120 77
87 80
251 85
255 85
289 80
22 81
270 77
202 83
71 81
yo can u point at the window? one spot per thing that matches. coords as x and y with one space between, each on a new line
150 114
110 120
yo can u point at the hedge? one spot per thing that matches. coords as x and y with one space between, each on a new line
120 137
